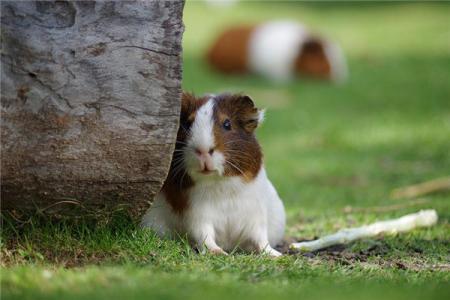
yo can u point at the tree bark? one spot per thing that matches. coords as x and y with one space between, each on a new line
90 100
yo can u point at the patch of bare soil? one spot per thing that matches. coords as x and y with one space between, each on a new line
375 256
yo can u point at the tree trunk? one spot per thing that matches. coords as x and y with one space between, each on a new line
90 100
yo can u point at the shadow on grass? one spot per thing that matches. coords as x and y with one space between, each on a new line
394 253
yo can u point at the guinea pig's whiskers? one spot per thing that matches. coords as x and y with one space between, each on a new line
178 155
238 151
177 163
242 165
247 164
181 142
234 166
178 150
248 157
177 167
179 172
176 171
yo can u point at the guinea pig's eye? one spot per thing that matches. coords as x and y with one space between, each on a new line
227 124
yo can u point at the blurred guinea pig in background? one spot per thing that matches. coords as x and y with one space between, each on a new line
278 50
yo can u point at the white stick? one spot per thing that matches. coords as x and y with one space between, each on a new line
424 218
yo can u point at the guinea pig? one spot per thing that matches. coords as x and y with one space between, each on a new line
278 50
217 192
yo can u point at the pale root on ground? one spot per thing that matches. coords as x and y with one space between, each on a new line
420 189
423 218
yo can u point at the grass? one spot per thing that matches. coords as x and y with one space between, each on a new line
333 152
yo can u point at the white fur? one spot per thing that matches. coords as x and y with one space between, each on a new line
261 116
274 47
202 129
202 137
225 213
335 56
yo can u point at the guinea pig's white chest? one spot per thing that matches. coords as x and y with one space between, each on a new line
233 209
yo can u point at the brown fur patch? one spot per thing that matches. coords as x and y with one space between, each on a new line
239 145
230 51
176 191
313 61
178 182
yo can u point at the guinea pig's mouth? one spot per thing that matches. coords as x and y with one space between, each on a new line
206 171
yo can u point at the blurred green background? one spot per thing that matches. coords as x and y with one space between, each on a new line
334 152
329 146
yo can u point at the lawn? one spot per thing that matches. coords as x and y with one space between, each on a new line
334 152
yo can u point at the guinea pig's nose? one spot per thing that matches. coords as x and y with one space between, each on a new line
204 152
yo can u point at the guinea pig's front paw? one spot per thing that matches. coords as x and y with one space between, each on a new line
217 251
272 252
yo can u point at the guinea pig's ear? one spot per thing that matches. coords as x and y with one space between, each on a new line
251 116
188 101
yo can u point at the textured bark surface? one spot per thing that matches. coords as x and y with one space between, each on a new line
90 99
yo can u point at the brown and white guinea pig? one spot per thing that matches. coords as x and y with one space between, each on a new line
279 50
217 192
